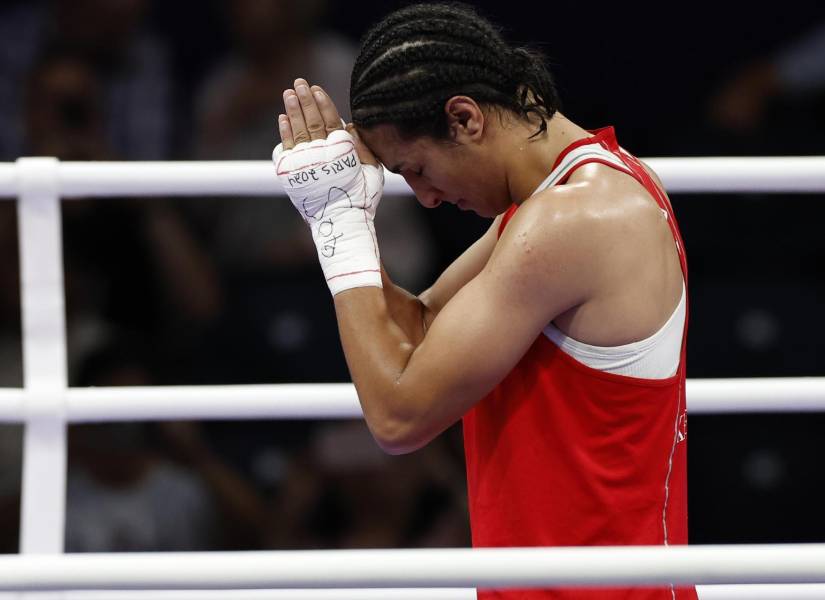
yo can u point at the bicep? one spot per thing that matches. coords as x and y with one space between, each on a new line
476 339
486 328
462 270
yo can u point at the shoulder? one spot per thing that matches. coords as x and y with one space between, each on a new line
542 261
576 217
574 235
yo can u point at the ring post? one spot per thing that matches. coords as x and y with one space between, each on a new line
43 494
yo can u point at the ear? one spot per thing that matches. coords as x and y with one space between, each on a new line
465 120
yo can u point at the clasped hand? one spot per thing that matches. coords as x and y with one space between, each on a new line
334 182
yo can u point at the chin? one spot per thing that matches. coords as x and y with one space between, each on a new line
483 212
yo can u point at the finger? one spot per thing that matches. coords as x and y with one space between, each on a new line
285 130
296 117
332 120
312 116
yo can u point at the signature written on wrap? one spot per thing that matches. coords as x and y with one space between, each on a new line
319 173
315 206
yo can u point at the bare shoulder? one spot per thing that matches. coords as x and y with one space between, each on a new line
549 252
578 235
588 213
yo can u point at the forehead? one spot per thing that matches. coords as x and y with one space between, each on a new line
384 141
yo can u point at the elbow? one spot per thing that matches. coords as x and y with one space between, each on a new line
398 436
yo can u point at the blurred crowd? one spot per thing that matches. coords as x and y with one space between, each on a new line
170 291
201 291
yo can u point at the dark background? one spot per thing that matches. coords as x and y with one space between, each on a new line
654 71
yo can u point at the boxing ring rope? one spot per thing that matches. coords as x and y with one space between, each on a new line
625 566
798 591
794 174
340 401
46 404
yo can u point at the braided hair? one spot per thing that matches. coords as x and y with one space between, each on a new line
419 56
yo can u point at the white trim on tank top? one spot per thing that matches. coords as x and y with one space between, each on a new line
655 357
572 158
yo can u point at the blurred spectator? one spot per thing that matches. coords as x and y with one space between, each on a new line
344 492
796 71
125 495
121 496
236 113
65 110
275 41
131 264
130 65
136 267
278 314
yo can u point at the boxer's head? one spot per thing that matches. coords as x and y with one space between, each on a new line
436 87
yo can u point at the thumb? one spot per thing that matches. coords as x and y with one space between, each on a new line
364 154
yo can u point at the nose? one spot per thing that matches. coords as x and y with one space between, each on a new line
428 196
429 200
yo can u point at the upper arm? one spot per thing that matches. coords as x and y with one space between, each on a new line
537 271
462 270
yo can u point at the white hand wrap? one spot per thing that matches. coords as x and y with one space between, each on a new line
337 196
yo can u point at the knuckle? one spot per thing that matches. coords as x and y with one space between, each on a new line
316 127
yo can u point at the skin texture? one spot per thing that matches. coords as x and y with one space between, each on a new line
595 256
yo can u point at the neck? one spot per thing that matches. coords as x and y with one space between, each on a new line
529 161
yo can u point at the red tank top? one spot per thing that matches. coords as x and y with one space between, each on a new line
562 454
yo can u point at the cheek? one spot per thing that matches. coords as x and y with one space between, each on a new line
450 181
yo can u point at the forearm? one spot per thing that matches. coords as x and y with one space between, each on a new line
406 309
381 330
377 350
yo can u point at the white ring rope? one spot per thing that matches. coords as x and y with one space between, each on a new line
291 594
454 567
800 591
340 401
804 174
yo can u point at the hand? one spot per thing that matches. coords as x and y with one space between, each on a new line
320 169
311 115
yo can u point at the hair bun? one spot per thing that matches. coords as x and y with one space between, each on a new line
521 61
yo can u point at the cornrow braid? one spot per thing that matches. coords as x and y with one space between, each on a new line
419 56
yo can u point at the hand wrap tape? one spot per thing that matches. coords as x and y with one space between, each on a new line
337 197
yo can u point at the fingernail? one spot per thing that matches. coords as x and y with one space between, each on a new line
292 101
318 95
